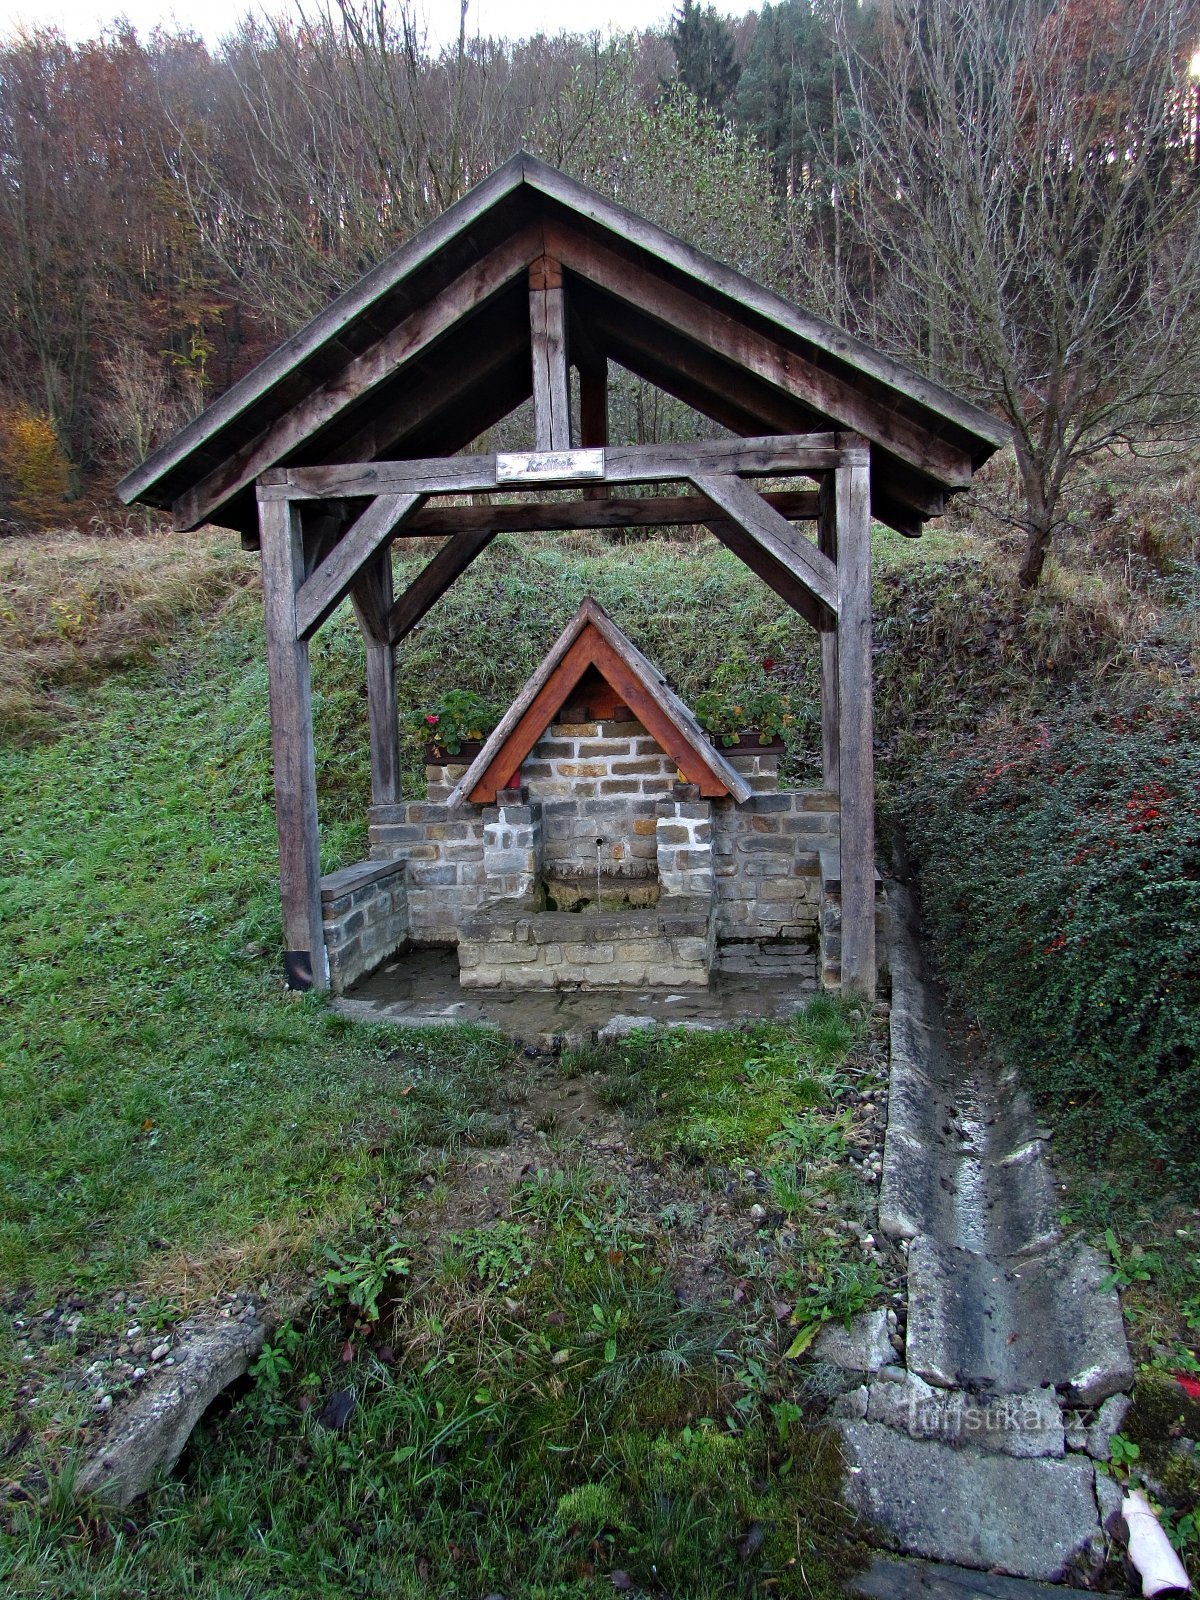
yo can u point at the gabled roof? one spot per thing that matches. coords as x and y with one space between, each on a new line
592 640
432 346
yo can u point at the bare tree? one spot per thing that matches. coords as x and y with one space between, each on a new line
1026 177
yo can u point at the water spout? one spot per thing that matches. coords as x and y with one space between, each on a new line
599 843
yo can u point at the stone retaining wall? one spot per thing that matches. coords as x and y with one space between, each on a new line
760 862
364 914
667 947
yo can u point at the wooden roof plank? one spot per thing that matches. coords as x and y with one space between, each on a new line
206 467
357 378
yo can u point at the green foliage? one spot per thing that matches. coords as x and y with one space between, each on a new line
359 1275
455 716
1061 871
744 697
498 1254
702 42
1138 1265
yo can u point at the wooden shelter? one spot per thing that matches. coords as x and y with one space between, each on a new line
347 437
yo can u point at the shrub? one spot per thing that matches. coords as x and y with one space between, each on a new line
33 462
1060 865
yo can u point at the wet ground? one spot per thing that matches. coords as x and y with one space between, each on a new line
422 988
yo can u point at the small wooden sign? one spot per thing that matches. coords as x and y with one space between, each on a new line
550 466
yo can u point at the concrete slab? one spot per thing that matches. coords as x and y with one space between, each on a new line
892 1578
1015 1324
421 989
1027 1518
1014 1425
862 1347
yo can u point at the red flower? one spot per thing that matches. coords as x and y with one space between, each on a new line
768 665
432 721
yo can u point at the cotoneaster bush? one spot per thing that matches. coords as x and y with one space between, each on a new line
1060 867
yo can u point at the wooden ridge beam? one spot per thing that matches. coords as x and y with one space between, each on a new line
770 456
763 524
331 581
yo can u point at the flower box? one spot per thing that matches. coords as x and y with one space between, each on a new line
436 755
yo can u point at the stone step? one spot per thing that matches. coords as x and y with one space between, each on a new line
1013 1324
892 1578
1028 1518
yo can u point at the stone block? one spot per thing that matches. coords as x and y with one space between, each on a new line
673 833
604 749
429 877
619 786
638 766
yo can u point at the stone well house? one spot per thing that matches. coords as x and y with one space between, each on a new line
598 840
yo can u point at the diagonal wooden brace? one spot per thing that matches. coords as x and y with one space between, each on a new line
772 533
332 580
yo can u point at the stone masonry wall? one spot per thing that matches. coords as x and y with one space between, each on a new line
598 780
669 946
443 853
364 914
767 856
609 780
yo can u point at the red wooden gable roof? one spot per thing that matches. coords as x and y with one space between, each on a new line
591 641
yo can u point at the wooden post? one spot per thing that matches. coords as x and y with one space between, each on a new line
827 544
852 491
292 747
373 598
593 415
548 339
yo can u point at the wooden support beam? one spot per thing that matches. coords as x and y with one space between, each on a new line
764 565
565 516
548 346
852 491
593 415
771 456
355 380
330 583
372 596
766 527
431 583
827 544
293 759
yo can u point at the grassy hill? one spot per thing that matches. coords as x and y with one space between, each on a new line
176 1126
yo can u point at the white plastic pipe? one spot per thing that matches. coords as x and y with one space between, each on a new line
1159 1568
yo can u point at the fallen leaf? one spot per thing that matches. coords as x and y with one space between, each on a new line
802 1340
620 1580
1190 1386
755 1538
347 1353
336 1411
